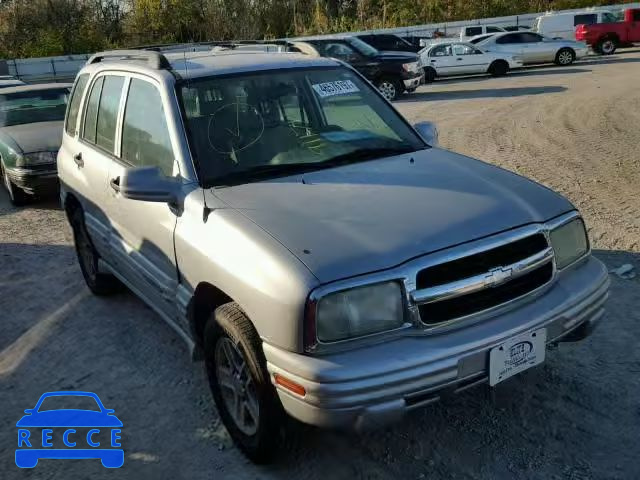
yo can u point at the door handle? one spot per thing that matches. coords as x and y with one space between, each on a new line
78 159
115 184
459 59
433 61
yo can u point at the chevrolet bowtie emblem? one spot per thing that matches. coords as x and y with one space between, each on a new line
498 276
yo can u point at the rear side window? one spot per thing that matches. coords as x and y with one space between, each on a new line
505 39
91 112
585 19
74 104
493 30
145 134
108 112
473 31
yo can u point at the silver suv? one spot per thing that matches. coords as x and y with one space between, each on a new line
308 243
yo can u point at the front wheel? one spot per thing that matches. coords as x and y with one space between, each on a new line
499 68
565 56
429 75
389 88
240 384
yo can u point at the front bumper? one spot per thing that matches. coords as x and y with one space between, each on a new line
42 179
374 386
412 80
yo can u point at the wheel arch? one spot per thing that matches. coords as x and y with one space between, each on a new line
204 301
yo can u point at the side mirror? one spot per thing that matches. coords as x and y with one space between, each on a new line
29 411
428 132
149 184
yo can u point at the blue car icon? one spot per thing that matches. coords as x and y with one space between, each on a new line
28 452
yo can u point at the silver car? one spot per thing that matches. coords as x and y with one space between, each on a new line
321 255
535 48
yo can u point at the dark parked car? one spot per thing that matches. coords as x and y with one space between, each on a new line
391 72
392 43
31 119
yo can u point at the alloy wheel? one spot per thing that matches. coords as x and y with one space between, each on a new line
388 90
565 58
608 47
236 386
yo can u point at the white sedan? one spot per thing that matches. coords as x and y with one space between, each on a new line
460 58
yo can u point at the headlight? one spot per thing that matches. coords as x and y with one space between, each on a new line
359 311
37 158
411 67
569 242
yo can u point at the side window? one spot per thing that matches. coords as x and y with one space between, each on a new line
508 39
636 15
91 112
145 134
441 51
340 51
473 31
74 104
585 19
493 30
463 50
108 112
529 37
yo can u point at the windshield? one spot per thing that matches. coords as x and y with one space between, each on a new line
363 47
286 122
69 402
33 107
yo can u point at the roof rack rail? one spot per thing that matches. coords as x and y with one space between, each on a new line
154 59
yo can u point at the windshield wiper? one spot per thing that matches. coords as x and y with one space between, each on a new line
364 154
262 172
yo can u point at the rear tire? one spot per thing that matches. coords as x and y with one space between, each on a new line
100 284
429 75
499 68
389 87
565 56
607 46
240 384
17 196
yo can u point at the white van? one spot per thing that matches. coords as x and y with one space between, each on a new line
563 25
467 32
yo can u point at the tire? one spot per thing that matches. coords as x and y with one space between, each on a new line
607 46
231 343
565 56
390 88
17 196
499 68
100 284
429 74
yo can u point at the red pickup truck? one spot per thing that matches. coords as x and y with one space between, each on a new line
606 37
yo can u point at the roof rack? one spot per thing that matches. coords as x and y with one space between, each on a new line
154 59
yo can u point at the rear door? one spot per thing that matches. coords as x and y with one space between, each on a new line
535 49
468 59
510 43
142 234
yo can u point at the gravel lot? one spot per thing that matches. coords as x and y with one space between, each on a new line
574 129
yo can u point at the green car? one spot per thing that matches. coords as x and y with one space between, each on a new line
31 118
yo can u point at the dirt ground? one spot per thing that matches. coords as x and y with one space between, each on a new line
575 129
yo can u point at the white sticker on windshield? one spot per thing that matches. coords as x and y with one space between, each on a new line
339 87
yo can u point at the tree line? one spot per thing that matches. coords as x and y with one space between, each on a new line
37 28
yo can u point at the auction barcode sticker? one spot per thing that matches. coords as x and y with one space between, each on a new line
339 87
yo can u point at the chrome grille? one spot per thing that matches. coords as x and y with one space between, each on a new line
472 284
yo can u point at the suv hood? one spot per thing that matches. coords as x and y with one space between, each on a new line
399 56
35 137
376 215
